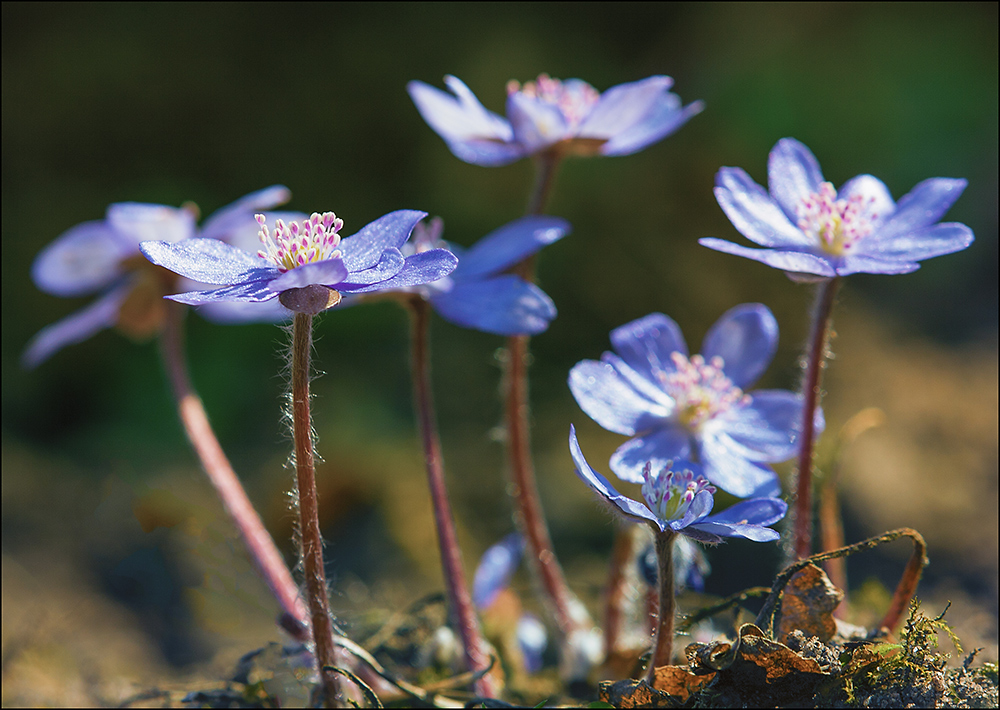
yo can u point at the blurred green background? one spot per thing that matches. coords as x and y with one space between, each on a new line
167 103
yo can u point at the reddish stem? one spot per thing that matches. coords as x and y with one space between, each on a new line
259 544
473 644
309 533
811 394
663 646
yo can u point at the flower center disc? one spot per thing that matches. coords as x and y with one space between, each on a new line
701 390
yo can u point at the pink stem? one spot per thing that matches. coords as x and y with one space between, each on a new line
259 544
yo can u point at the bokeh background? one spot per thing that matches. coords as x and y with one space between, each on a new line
119 572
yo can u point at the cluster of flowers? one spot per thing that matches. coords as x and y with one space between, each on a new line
694 424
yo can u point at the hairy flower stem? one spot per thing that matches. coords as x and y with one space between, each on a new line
663 645
259 544
819 340
473 644
568 613
309 534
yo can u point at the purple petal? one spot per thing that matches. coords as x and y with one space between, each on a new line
140 222
223 221
510 244
756 511
793 261
505 305
922 206
75 328
390 263
208 261
495 568
665 118
766 430
646 344
746 338
938 239
624 106
754 212
755 533
329 272
250 292
733 473
423 268
610 401
631 509
700 507
364 249
457 118
81 260
657 448
793 173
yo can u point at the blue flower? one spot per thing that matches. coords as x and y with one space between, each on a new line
681 501
810 230
103 256
478 294
300 255
570 117
690 565
694 408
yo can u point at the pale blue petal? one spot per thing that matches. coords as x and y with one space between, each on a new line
329 272
875 198
665 118
793 173
509 245
631 509
141 222
83 259
488 154
240 312
75 328
638 381
647 343
423 268
457 118
209 261
766 430
390 263
223 221
495 569
922 206
754 212
700 507
624 106
792 261
537 124
658 448
746 338
364 249
926 243
610 401
756 511
505 305
756 533
733 473
862 264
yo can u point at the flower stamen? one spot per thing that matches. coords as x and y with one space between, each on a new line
574 98
701 390
669 493
298 243
836 225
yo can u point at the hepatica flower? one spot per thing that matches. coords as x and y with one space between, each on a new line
570 117
103 256
305 263
677 499
810 230
478 294
677 406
